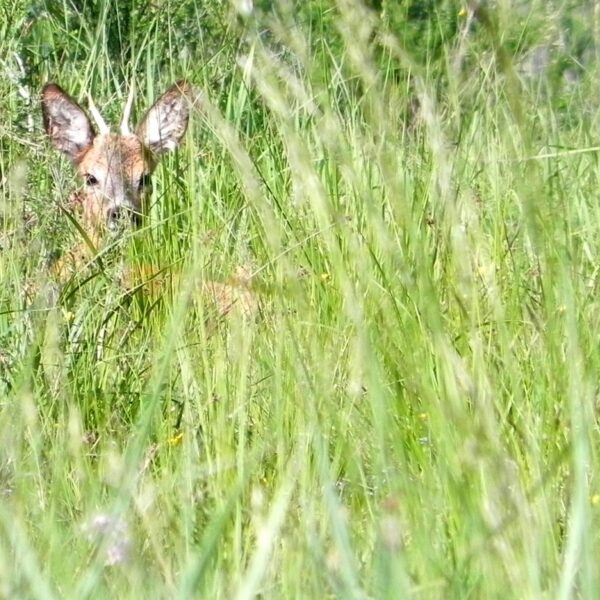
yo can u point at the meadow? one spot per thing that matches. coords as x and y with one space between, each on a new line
413 411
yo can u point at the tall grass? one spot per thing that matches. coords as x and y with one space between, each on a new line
413 412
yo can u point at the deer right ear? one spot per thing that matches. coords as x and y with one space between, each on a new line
66 123
165 123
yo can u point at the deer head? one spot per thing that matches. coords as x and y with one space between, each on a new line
115 168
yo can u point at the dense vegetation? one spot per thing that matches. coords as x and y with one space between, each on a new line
414 186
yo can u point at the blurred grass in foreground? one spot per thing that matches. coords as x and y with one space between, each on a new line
414 412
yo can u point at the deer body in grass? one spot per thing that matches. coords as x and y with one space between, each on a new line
116 167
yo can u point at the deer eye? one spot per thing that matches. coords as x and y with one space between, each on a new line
90 179
145 181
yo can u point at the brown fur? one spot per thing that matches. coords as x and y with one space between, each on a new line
116 171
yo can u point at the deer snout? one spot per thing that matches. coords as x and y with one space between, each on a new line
113 216
117 215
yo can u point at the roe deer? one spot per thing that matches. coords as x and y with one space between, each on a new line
116 168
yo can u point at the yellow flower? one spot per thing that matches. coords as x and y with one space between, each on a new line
67 315
176 439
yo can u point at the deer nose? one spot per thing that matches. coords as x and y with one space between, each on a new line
113 215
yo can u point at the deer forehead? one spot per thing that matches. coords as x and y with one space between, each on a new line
117 155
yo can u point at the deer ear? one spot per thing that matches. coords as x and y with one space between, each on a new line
164 125
66 122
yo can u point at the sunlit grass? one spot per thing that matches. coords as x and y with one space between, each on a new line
413 409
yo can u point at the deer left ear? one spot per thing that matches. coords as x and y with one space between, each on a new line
66 122
164 125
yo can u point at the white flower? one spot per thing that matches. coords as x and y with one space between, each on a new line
244 7
111 534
